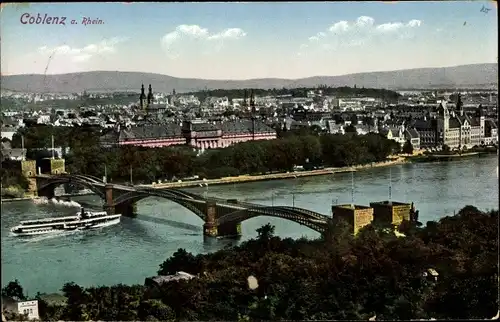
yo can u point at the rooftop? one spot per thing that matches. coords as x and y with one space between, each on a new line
351 206
389 203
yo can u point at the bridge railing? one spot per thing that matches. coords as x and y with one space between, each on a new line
285 213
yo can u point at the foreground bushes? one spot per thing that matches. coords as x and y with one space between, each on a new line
335 277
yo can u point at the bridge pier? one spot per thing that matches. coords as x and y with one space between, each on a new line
108 202
47 192
229 230
126 209
211 229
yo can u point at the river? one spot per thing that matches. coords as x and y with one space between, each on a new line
131 251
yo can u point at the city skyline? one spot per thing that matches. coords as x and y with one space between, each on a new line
248 40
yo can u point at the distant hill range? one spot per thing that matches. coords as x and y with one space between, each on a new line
465 76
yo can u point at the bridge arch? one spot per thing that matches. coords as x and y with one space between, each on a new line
54 182
196 206
287 213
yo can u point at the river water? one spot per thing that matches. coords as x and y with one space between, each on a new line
131 251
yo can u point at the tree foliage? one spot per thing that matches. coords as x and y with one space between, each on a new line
86 156
336 277
408 147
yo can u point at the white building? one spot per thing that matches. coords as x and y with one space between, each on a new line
458 130
29 308
8 132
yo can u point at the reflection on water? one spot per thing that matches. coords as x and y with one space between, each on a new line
131 251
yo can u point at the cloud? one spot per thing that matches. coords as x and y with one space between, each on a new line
394 26
193 30
231 33
318 36
414 23
390 26
358 32
364 22
339 26
83 53
196 32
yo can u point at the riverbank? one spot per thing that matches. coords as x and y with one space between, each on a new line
246 178
273 176
18 199
443 157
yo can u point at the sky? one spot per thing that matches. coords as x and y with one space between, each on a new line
247 40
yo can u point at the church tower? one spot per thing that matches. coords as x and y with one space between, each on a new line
150 95
142 98
480 115
443 121
460 105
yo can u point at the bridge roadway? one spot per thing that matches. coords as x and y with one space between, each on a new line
239 205
231 210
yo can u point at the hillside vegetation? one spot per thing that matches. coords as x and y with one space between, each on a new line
337 277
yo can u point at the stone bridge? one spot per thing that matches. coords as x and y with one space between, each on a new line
222 217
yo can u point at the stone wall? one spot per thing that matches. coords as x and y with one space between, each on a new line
57 166
28 168
362 217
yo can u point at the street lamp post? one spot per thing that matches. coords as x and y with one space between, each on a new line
293 191
272 197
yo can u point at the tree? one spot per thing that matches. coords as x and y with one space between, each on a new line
337 277
265 232
180 261
14 290
350 129
408 147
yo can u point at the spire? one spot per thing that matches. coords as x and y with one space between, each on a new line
245 99
150 95
142 97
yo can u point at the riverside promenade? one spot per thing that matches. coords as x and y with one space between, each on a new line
272 176
393 160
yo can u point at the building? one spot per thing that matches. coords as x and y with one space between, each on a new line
427 131
394 133
451 126
414 138
490 133
160 280
29 308
356 216
457 129
147 104
391 212
8 132
14 154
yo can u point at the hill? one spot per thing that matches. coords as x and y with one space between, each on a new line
465 76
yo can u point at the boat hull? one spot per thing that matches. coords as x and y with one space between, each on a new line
66 229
